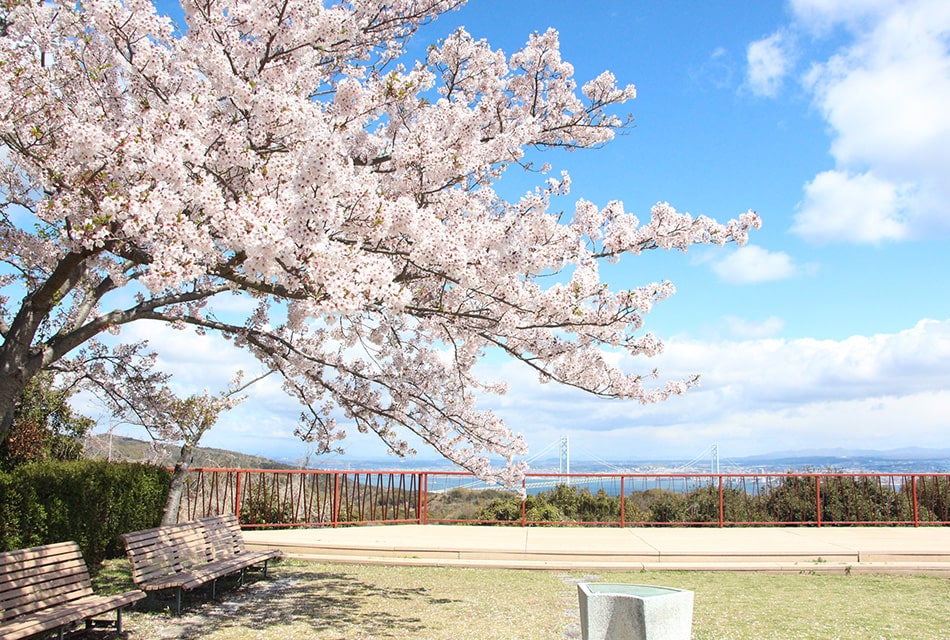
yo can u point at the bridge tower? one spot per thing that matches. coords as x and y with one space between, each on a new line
564 462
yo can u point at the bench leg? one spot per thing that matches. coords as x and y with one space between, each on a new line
265 568
178 600
93 623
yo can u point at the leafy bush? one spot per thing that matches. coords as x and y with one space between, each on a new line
737 506
597 507
44 426
862 499
792 499
461 503
502 509
669 507
933 497
539 509
91 502
263 505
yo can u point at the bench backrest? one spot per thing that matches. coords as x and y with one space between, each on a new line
164 551
41 577
224 535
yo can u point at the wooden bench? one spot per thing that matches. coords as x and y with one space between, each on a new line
47 588
187 555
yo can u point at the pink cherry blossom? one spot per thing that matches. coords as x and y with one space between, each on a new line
289 152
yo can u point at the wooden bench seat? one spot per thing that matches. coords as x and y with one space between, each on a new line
47 588
187 555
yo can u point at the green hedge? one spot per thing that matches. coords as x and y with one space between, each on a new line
91 502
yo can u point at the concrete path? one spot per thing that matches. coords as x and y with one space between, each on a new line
906 550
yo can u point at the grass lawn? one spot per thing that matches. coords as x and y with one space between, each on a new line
347 602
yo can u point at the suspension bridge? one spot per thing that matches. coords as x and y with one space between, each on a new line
707 462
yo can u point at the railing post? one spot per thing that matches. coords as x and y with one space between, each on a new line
722 506
913 493
818 500
418 483
424 481
336 499
524 503
623 503
237 496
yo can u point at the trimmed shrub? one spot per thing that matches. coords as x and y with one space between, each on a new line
91 502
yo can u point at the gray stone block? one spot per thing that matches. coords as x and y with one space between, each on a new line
634 612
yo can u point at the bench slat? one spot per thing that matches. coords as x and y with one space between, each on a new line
224 533
33 554
72 612
32 597
37 578
45 588
188 555
22 576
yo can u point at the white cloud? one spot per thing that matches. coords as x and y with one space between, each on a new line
263 424
780 374
885 95
768 64
757 395
745 329
750 264
820 15
842 207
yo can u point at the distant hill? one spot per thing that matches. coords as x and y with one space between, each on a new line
133 450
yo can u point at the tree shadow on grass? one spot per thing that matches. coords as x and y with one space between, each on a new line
304 598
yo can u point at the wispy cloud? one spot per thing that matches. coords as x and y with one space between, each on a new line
717 70
768 63
744 329
751 264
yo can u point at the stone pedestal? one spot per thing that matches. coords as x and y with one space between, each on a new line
634 612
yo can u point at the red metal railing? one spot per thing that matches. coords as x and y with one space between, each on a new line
293 498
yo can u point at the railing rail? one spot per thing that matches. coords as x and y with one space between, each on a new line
315 498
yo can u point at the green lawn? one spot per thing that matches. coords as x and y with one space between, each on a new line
336 602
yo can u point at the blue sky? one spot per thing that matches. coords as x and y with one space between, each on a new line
831 119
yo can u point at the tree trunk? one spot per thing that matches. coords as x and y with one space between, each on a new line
10 393
19 359
16 371
177 488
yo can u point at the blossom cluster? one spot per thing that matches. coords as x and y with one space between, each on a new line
287 151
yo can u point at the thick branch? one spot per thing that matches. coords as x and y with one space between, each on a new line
62 344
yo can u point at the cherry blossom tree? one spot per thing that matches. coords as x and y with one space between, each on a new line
288 153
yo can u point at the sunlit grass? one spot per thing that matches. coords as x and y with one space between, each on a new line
331 602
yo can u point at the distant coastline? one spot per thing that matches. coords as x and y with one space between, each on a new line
915 460
904 460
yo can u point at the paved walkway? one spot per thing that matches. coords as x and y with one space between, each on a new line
906 550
